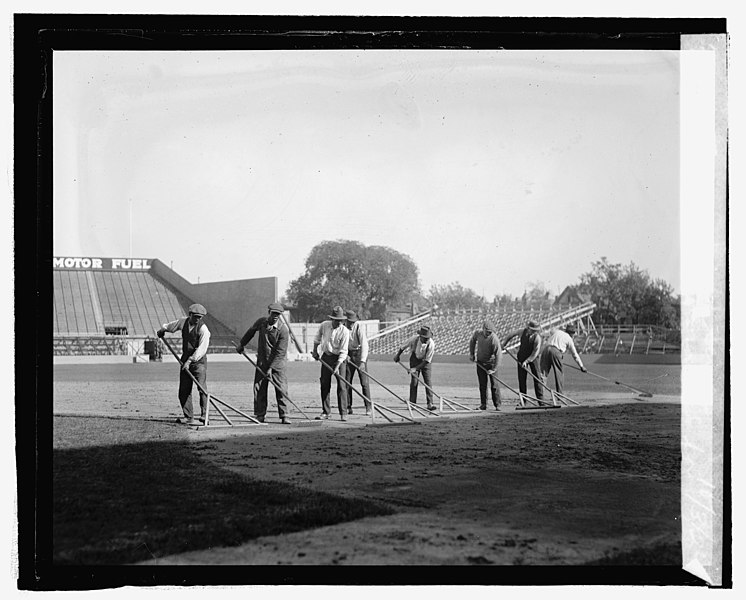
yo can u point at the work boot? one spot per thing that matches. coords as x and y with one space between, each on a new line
286 421
482 407
343 417
322 417
431 407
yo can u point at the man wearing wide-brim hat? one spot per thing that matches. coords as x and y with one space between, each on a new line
330 346
271 359
558 342
421 350
195 340
528 355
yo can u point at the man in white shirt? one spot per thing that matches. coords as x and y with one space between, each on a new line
195 339
357 360
554 351
422 349
333 339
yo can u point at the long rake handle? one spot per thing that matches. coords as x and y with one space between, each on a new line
409 404
277 387
353 388
292 335
213 399
541 383
194 379
629 387
432 390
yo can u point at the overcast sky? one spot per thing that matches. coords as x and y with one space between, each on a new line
495 169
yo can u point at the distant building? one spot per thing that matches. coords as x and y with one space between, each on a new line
571 297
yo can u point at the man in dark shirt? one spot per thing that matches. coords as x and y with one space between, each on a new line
528 357
271 359
485 350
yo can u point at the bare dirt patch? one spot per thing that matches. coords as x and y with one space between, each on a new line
558 487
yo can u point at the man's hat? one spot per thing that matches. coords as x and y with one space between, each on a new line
488 326
532 325
425 332
338 314
197 309
276 307
351 315
570 328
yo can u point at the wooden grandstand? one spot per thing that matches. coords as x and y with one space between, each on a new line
110 312
452 330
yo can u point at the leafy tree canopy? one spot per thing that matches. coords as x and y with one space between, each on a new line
625 294
367 279
455 296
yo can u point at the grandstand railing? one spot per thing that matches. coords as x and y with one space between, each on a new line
126 345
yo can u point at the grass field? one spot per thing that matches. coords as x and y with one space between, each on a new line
595 484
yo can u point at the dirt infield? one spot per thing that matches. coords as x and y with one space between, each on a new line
569 486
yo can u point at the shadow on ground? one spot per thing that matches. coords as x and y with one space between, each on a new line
124 503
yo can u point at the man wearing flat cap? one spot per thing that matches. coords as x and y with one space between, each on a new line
195 340
554 351
332 340
486 351
271 359
529 352
357 359
421 350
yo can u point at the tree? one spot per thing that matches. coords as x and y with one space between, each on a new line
367 279
454 296
625 294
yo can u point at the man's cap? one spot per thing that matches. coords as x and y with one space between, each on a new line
570 328
276 307
338 314
351 315
425 331
488 326
197 309
533 326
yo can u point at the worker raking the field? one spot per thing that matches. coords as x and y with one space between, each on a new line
529 353
195 338
558 342
486 351
421 350
333 339
271 359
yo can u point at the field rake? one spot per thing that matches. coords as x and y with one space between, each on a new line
309 420
382 410
641 393
448 403
239 418
527 402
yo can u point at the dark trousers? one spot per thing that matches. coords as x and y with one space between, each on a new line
354 365
414 381
483 378
199 370
523 375
551 360
261 387
326 384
